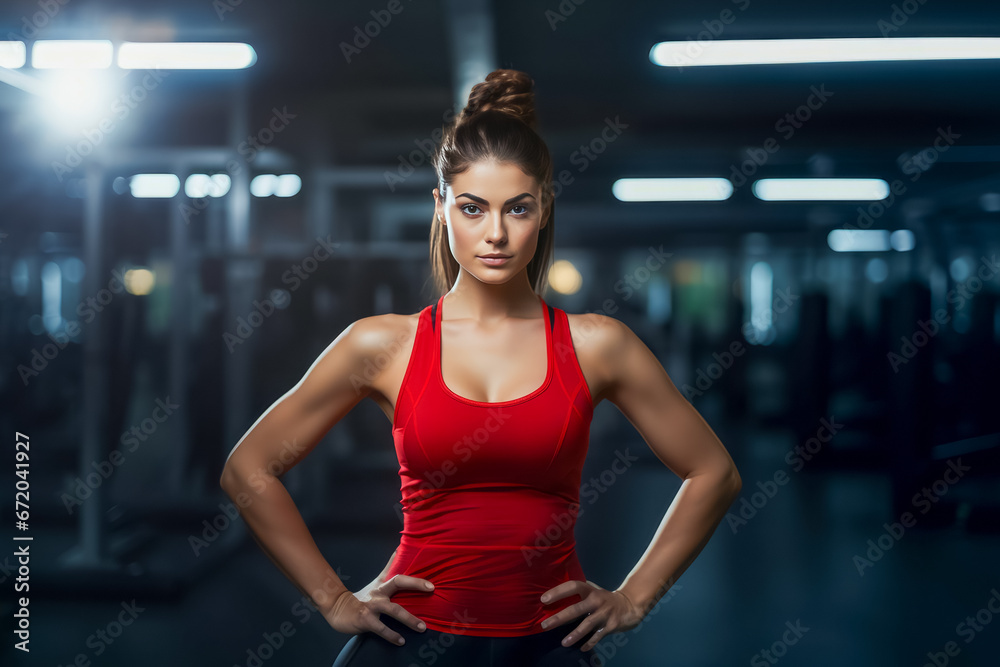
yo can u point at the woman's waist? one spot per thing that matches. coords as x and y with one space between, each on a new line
484 591
531 526
484 568
519 562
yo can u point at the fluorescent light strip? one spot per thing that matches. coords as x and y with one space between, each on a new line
154 185
199 186
288 185
266 185
902 240
12 55
186 55
858 240
831 50
72 54
820 189
672 189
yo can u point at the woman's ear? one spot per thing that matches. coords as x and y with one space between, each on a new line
438 207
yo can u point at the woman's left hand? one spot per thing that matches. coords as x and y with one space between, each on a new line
603 610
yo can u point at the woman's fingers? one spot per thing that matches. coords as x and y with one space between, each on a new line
371 621
582 630
406 618
399 612
595 637
575 610
553 621
387 633
406 581
380 603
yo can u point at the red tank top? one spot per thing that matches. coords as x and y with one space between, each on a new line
490 491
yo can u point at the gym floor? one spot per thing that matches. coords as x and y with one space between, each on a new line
794 575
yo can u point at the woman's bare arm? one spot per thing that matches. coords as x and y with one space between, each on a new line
283 435
635 381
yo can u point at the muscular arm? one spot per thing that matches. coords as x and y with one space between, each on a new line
637 384
280 438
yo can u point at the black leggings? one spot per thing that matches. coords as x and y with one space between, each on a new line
443 649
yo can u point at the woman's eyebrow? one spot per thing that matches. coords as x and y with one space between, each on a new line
480 200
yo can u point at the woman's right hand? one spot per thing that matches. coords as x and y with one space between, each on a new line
354 613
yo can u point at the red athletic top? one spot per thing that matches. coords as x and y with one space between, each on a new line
490 491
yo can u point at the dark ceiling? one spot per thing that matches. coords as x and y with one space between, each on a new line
590 65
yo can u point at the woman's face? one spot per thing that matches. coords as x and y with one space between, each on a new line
492 208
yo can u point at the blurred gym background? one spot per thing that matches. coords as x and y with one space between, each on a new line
183 230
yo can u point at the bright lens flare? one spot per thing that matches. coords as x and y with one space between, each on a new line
78 102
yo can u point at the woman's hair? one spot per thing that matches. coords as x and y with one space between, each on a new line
497 124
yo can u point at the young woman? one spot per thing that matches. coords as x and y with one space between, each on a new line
490 391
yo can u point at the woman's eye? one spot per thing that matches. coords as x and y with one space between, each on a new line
524 209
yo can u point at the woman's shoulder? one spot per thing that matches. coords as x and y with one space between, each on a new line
599 339
377 333
599 342
596 329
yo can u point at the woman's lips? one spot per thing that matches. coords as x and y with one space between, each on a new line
493 261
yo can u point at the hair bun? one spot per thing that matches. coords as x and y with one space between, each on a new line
505 90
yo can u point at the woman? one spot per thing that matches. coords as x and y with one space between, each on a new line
490 408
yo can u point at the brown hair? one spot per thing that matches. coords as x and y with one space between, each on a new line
498 123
